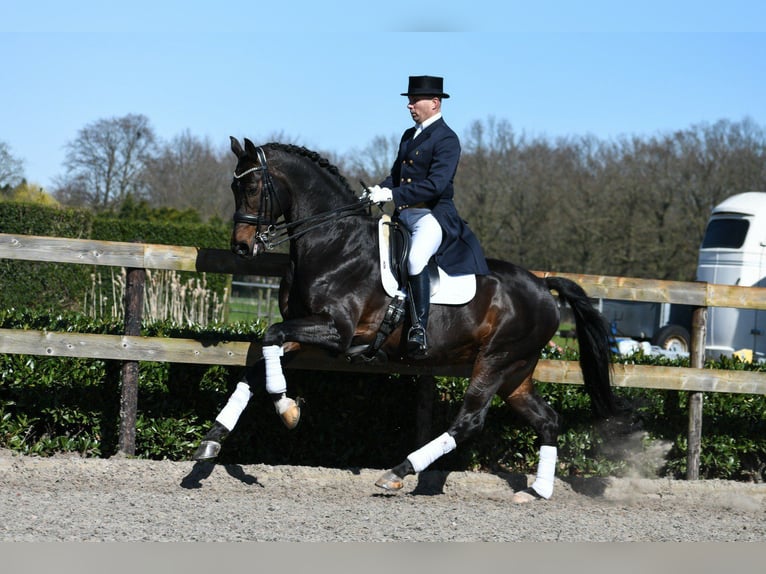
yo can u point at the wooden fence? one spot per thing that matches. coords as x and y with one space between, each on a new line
132 348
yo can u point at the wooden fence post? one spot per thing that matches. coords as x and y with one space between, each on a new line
696 360
134 306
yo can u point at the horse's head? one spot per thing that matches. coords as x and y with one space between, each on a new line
257 202
285 181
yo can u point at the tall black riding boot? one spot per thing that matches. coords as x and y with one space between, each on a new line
420 300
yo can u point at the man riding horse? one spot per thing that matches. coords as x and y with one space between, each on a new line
333 296
421 187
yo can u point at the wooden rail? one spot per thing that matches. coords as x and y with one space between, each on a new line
237 353
148 256
132 349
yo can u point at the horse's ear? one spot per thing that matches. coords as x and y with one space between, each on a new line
235 147
250 148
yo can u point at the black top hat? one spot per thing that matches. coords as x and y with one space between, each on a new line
426 86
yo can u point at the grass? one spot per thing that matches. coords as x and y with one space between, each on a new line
242 309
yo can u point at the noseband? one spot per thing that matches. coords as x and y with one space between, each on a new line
276 234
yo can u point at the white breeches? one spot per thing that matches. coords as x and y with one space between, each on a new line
426 239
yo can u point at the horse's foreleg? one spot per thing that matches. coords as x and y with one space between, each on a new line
314 330
276 385
545 421
270 369
224 423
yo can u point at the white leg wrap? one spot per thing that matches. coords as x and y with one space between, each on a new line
229 416
426 455
546 470
275 378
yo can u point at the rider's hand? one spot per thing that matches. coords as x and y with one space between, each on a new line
380 194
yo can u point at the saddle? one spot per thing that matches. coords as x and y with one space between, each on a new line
394 243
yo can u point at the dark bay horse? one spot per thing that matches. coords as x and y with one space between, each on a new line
332 297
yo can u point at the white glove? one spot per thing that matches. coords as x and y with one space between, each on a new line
380 194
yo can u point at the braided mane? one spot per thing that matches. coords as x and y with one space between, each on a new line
322 162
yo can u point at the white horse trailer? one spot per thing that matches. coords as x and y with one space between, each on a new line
733 252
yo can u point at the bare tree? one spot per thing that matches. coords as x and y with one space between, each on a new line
508 188
11 169
372 163
105 163
484 186
189 173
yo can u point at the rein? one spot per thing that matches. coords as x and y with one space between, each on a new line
278 233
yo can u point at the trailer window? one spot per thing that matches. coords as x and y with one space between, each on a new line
726 233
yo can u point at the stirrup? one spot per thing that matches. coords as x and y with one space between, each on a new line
417 346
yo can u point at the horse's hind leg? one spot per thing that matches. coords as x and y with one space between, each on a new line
469 420
545 421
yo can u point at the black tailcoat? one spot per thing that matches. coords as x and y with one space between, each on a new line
423 176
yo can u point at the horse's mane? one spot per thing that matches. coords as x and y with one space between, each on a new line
322 162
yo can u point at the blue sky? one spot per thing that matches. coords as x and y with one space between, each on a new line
329 76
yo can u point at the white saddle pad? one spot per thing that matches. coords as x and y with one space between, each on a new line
449 290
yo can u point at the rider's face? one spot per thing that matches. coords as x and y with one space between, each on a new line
422 107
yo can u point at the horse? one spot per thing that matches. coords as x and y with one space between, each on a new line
332 297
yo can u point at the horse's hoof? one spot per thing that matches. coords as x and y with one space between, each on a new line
290 412
525 496
207 450
390 481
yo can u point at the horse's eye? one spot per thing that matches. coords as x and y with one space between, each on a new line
251 188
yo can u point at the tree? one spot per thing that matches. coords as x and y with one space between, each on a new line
371 164
188 173
105 163
11 169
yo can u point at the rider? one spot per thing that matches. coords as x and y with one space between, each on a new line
421 186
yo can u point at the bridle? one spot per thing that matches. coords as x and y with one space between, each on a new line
268 195
278 233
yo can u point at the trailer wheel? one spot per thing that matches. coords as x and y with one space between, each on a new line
673 338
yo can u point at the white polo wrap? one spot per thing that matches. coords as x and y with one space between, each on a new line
275 378
426 455
546 470
238 400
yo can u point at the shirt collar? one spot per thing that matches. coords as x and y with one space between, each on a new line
431 120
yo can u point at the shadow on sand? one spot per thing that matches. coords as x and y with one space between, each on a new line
203 470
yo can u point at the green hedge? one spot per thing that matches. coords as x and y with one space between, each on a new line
59 286
29 284
50 405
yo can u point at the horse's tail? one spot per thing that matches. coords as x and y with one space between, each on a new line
594 339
